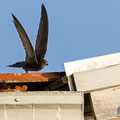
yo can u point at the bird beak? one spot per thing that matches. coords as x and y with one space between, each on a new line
47 63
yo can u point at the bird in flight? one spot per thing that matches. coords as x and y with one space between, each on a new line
34 60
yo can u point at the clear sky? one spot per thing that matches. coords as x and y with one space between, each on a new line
78 29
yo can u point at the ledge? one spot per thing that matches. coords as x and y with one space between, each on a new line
30 77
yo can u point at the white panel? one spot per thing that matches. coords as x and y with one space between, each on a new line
91 63
19 112
106 103
96 79
41 106
41 98
71 112
46 112
2 113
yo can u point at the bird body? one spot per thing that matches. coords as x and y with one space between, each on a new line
34 60
30 67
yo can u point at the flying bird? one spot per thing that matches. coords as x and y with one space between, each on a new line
34 60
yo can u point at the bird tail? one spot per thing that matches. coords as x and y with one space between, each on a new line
18 64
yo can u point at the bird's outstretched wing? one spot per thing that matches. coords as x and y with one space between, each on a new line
30 54
42 36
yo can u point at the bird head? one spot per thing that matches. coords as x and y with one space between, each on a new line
45 63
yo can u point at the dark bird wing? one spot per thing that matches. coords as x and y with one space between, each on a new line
42 36
30 54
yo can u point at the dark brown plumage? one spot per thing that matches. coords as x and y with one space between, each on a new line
34 60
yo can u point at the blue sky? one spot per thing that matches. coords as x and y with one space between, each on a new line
78 29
